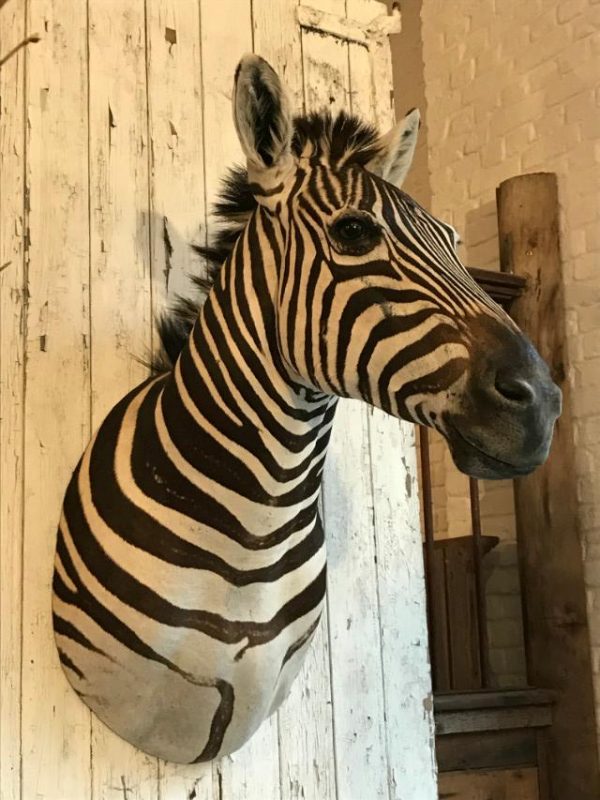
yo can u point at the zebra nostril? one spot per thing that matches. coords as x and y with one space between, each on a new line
514 389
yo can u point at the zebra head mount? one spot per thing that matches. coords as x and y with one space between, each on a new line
190 559
374 302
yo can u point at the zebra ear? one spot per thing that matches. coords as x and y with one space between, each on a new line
263 121
397 149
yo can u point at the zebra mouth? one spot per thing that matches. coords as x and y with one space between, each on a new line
473 460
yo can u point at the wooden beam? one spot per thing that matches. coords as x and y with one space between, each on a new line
487 750
552 576
502 286
497 699
518 784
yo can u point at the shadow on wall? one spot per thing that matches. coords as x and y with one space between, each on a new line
174 260
505 616
481 236
409 92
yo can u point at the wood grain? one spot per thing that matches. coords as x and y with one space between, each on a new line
518 784
55 723
177 210
13 287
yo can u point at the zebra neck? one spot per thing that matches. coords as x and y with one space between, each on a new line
248 428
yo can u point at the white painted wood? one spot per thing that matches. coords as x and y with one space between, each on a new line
252 773
357 684
175 100
362 96
276 37
55 724
187 781
334 7
119 189
339 27
102 184
325 62
12 359
119 284
408 700
306 750
226 36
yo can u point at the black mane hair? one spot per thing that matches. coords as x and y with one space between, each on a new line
343 136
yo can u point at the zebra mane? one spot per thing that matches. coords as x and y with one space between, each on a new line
343 137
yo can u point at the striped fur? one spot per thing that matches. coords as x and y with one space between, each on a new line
190 562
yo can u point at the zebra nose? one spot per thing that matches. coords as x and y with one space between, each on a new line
513 388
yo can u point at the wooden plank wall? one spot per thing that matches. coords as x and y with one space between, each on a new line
115 129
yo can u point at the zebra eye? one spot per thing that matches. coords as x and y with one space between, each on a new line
349 230
354 234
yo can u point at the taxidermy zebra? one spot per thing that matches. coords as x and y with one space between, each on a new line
190 562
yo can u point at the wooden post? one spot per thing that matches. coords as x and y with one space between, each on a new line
552 575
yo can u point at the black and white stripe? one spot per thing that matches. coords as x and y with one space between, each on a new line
190 564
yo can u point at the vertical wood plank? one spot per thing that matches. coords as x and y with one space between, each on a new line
325 61
252 773
121 319
178 203
276 37
222 47
377 24
186 782
439 643
12 360
356 670
352 606
55 723
362 99
306 753
463 632
402 611
119 284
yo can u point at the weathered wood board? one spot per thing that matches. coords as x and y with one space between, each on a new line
115 129
520 784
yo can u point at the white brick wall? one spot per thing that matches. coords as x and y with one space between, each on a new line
513 87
